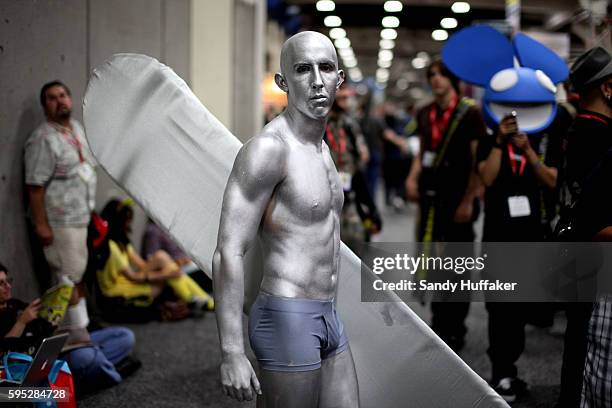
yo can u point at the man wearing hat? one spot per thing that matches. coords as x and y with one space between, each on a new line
587 186
591 77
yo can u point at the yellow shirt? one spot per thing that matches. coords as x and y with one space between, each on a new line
113 281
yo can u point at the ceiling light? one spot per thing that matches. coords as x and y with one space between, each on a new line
410 76
385 64
402 84
332 21
393 6
350 63
382 73
390 22
346 53
342 42
337 32
418 63
385 55
354 71
460 7
355 74
416 93
388 34
326 5
448 22
439 35
386 44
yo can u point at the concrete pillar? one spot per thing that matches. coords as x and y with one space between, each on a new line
227 59
249 53
212 33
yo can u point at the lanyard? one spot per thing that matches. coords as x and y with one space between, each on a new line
72 140
338 149
438 127
513 161
593 117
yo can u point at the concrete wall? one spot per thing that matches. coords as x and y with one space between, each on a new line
211 56
227 61
248 64
158 28
216 46
42 40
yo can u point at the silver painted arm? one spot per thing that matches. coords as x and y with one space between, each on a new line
257 171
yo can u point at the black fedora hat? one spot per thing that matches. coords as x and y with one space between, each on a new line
591 67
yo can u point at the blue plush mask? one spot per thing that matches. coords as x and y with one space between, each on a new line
518 76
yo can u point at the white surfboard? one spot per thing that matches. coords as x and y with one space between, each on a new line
156 139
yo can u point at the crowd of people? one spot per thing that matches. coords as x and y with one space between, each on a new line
91 255
525 184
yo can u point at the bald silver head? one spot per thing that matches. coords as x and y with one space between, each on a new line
309 74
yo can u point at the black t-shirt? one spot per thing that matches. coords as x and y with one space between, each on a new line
595 207
589 172
32 335
588 141
450 179
510 182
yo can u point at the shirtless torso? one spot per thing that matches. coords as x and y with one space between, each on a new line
300 231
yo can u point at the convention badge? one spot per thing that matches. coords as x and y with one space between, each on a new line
428 159
86 172
519 206
345 180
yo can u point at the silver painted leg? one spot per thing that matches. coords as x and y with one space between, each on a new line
289 390
339 388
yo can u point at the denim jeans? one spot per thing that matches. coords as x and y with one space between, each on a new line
93 367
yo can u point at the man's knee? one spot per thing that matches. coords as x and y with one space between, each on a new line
67 255
161 257
92 368
125 337
120 338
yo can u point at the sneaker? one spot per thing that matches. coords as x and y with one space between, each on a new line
510 388
128 366
204 303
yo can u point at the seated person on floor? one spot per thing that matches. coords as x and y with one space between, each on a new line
126 275
97 360
155 239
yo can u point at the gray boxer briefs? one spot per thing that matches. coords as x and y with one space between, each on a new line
289 334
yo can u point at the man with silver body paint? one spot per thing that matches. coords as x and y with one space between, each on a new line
285 190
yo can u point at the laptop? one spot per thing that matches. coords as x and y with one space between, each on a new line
41 365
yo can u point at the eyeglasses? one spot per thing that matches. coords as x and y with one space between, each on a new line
6 282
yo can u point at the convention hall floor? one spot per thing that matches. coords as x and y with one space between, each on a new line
180 360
